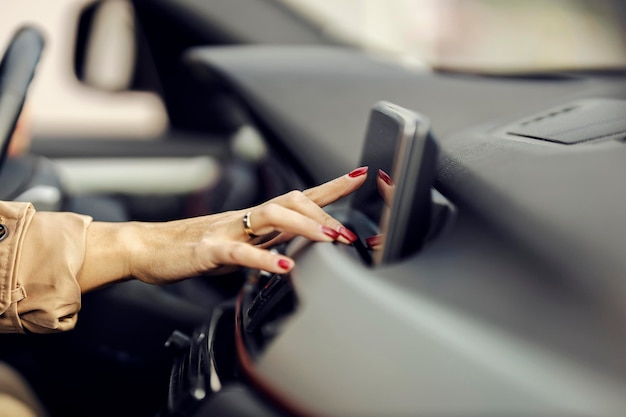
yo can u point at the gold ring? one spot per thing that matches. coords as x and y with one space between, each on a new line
247 227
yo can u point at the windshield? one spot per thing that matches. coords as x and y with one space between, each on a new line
501 36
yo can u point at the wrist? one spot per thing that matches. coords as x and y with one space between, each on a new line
110 247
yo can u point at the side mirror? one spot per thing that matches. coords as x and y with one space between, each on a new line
105 50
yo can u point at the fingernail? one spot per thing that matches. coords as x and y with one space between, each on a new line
346 233
374 241
358 172
385 177
284 264
330 232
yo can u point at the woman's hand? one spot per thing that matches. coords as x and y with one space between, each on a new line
160 253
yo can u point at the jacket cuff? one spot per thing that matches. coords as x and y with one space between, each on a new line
45 251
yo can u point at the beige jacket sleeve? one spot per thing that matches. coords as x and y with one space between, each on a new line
41 254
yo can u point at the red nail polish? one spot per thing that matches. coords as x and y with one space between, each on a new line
284 264
330 232
358 172
346 233
385 177
374 241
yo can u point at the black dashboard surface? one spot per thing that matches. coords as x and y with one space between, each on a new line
564 202
531 275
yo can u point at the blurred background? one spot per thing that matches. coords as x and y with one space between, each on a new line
482 35
58 103
486 36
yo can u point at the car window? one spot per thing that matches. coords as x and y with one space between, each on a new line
61 106
482 35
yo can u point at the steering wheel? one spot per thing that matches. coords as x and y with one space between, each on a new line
17 69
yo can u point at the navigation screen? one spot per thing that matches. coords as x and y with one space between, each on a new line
396 197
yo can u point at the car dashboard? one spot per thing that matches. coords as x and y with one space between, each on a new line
514 306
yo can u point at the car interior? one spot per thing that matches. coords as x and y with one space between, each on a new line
500 285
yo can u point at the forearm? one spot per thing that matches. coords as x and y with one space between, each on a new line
108 248
152 252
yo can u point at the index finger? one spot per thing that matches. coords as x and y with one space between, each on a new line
333 190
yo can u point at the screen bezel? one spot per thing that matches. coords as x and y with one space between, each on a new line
400 141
